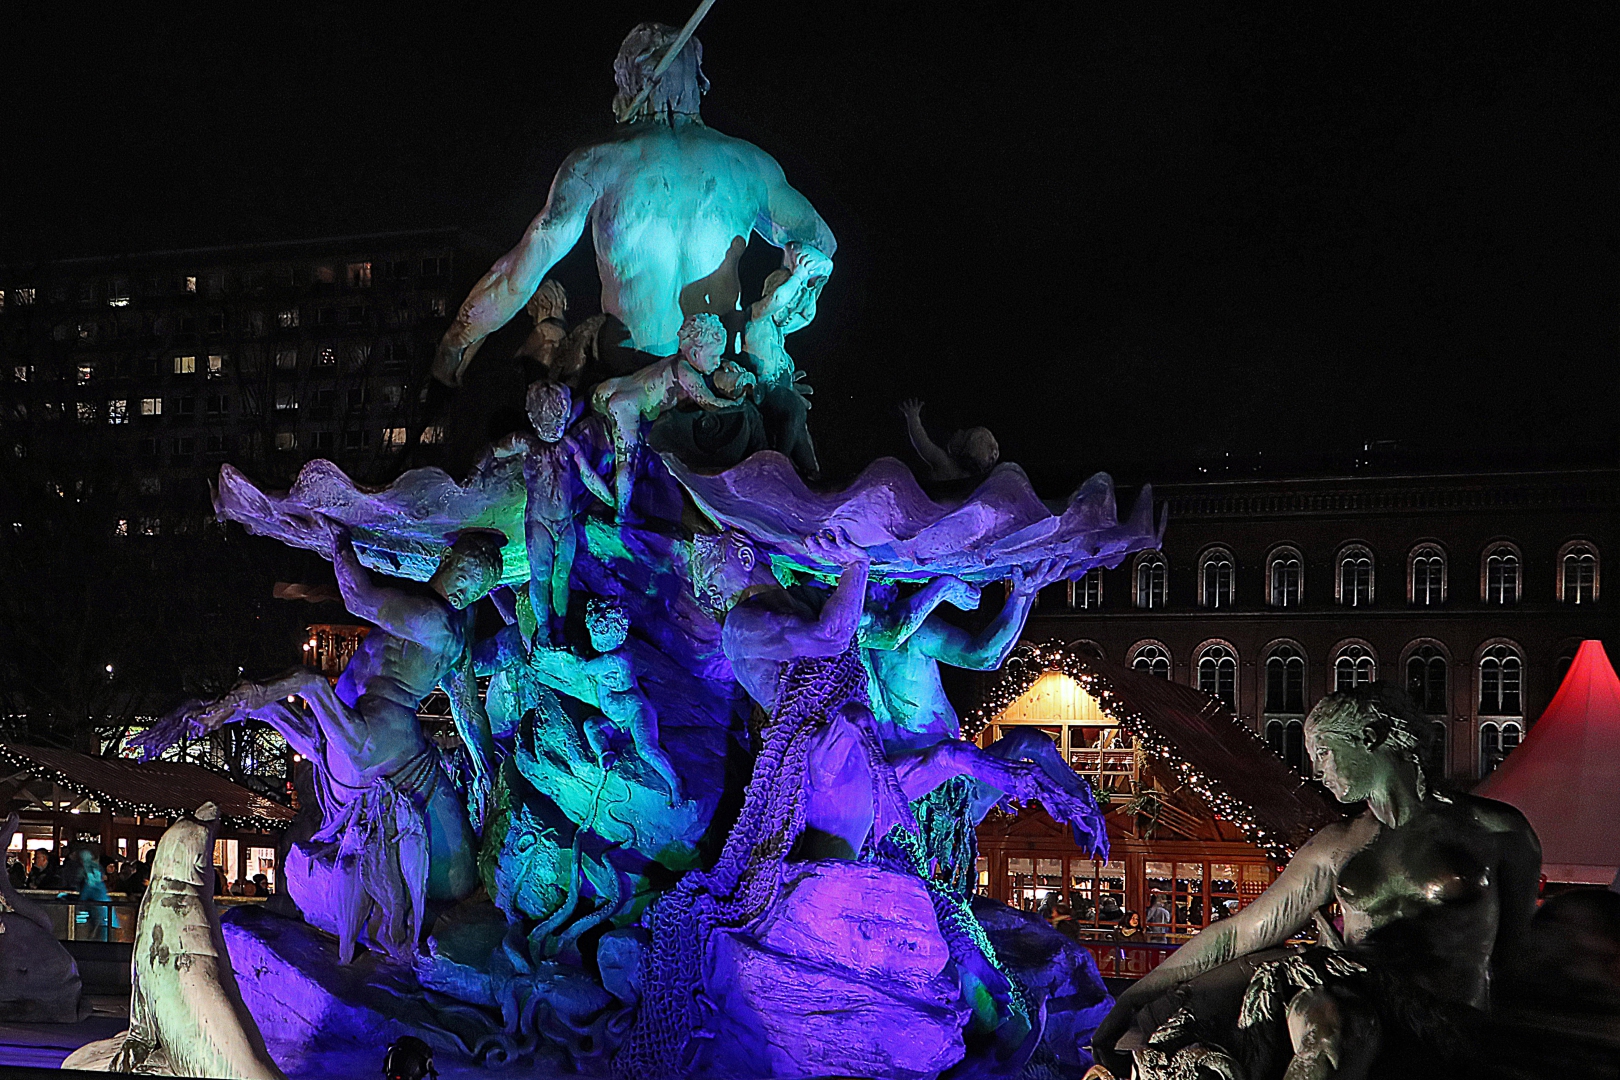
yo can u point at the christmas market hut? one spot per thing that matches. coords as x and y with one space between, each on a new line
1200 812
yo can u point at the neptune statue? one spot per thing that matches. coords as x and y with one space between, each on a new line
706 808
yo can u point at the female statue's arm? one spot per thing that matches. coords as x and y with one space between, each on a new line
1277 914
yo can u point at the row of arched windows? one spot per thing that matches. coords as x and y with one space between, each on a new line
1354 577
1427 674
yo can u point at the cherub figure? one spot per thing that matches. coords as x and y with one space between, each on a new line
557 470
608 681
547 307
969 453
788 304
626 401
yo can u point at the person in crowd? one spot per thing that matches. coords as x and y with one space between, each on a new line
94 899
1108 910
262 884
46 874
1158 920
1130 927
17 872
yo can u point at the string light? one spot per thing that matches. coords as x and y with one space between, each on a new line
1029 662
126 808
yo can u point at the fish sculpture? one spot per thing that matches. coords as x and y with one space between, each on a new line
186 1016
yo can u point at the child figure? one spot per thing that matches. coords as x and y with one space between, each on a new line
646 394
556 471
788 303
608 681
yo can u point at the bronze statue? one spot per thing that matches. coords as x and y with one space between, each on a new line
1436 892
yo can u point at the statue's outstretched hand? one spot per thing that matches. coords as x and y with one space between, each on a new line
911 408
810 261
189 721
832 545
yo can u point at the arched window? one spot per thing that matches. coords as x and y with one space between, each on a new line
1285 578
1355 576
1561 668
1578 573
1216 572
1501 676
1435 756
1086 594
1217 674
1355 666
1426 680
1428 576
1501 575
1497 741
1285 681
1287 740
1152 573
1152 659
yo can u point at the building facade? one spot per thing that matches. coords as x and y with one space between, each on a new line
1472 591
125 383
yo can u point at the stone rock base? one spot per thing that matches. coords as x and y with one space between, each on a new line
846 976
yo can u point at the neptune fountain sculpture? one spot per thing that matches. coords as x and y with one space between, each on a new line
713 814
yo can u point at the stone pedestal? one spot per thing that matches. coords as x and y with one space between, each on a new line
846 976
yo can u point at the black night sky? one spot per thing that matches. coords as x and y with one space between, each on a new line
1118 237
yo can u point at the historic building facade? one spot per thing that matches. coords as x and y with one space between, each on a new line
1473 591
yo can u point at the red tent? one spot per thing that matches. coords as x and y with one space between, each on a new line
1565 776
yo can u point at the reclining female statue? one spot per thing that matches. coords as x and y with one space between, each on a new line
1435 891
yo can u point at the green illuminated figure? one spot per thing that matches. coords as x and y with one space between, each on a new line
671 204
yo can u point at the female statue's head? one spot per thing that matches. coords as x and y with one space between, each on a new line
1365 738
470 568
975 449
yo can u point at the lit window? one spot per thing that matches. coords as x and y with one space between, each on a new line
1501 575
24 295
185 365
1217 675
1428 576
287 318
1153 660
436 306
286 440
393 437
85 371
1151 574
151 406
1285 578
191 284
1426 680
1496 742
216 366
1087 593
22 372
286 359
151 525
1354 667
1215 573
118 295
2 299
433 433
121 528
1285 681
118 411
286 400
1578 572
1355 584
1501 675
360 274
87 412
326 356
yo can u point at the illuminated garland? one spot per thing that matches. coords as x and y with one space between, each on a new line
125 808
1029 662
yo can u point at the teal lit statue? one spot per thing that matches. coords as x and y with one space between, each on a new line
670 203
